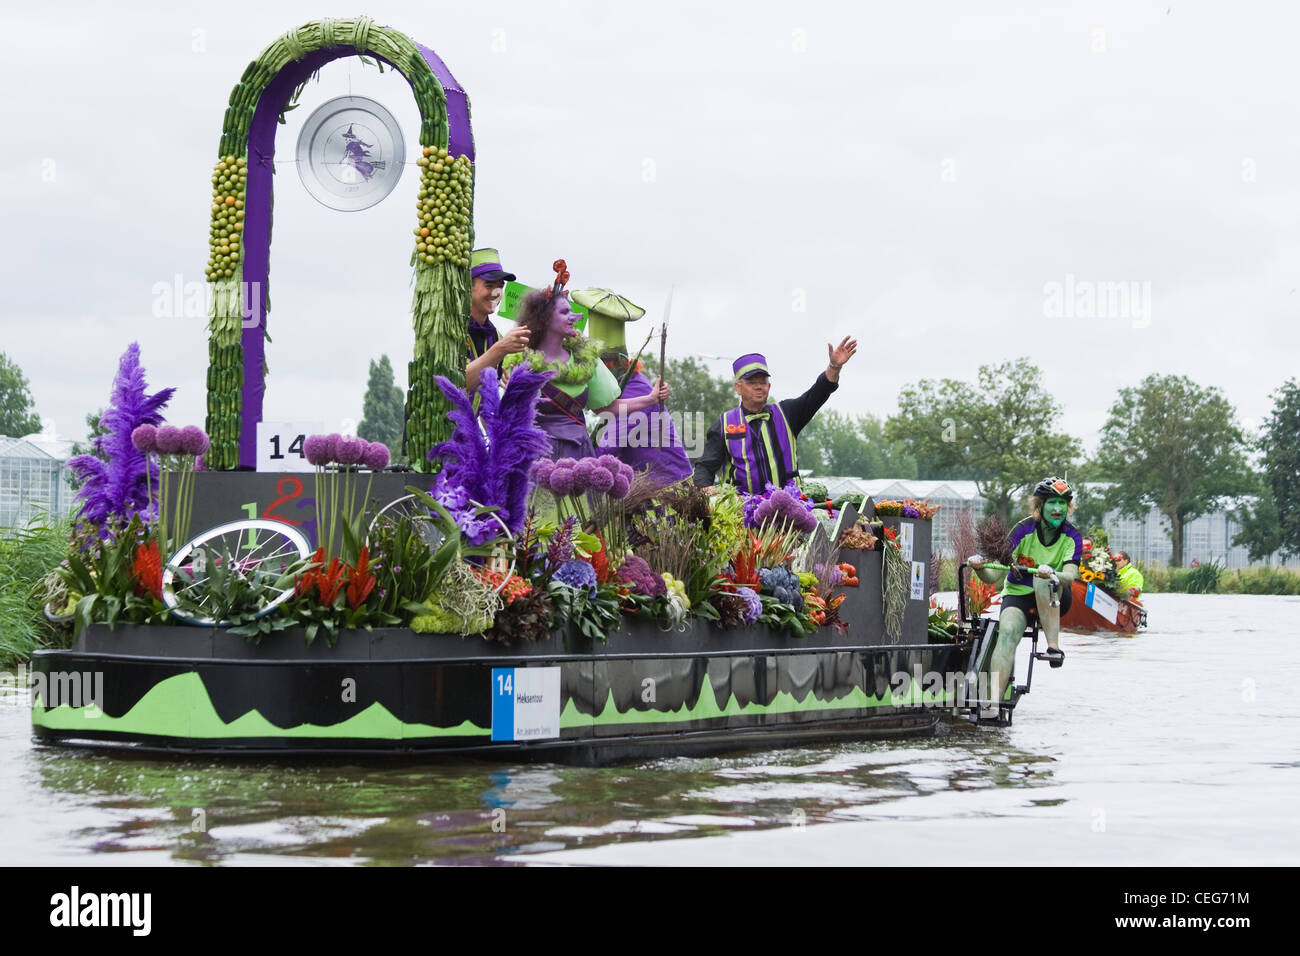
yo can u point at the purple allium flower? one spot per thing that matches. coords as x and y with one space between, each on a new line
167 440
144 438
584 468
611 462
541 472
602 479
332 446
577 574
200 464
194 440
317 450
636 572
753 604
622 485
376 456
561 481
348 450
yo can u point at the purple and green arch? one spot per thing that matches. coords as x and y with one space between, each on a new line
238 313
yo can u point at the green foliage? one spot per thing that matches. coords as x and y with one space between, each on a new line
853 445
1202 579
1273 522
17 415
1001 431
947 575
596 616
100 569
1173 445
27 556
383 408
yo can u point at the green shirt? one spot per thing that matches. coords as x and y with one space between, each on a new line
1028 551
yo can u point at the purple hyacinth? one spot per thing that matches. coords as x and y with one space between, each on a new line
577 574
168 440
317 450
194 440
910 512
348 450
144 438
376 456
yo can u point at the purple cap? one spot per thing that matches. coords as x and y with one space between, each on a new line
747 365
485 264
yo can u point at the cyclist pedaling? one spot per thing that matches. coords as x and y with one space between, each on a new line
1043 546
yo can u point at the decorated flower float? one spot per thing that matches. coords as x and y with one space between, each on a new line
493 601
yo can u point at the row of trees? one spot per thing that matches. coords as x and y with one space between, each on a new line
1167 443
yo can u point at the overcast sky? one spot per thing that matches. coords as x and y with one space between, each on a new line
933 181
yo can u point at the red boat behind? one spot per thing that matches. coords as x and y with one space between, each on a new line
1092 609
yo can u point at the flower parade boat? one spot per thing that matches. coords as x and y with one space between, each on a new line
251 588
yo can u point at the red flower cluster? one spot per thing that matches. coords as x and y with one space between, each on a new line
147 570
516 587
328 580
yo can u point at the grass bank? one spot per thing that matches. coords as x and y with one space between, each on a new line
26 556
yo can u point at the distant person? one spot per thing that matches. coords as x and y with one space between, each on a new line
754 443
1130 576
485 345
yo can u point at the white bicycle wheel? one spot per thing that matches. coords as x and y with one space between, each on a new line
409 508
259 550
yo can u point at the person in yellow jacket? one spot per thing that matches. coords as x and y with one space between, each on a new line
1129 575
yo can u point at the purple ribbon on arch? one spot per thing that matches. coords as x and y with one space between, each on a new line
257 209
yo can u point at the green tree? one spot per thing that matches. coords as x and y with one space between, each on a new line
1173 445
17 415
93 431
852 445
1272 523
382 409
1002 431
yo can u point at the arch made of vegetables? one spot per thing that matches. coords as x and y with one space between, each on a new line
240 237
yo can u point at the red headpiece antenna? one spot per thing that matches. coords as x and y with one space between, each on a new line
561 279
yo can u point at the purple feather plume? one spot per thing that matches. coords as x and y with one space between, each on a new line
494 468
119 486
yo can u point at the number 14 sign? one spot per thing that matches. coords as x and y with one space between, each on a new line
279 445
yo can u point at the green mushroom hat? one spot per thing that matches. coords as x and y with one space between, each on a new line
607 315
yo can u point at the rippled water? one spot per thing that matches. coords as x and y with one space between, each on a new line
1176 746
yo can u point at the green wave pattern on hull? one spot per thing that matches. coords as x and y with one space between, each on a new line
784 703
180 707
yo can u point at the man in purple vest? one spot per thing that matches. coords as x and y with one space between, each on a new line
485 346
754 443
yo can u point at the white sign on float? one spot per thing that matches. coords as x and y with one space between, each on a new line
905 530
1102 603
918 580
279 445
525 703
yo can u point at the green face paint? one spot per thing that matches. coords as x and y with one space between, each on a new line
1055 510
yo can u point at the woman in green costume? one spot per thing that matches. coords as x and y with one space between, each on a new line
1042 545
581 380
